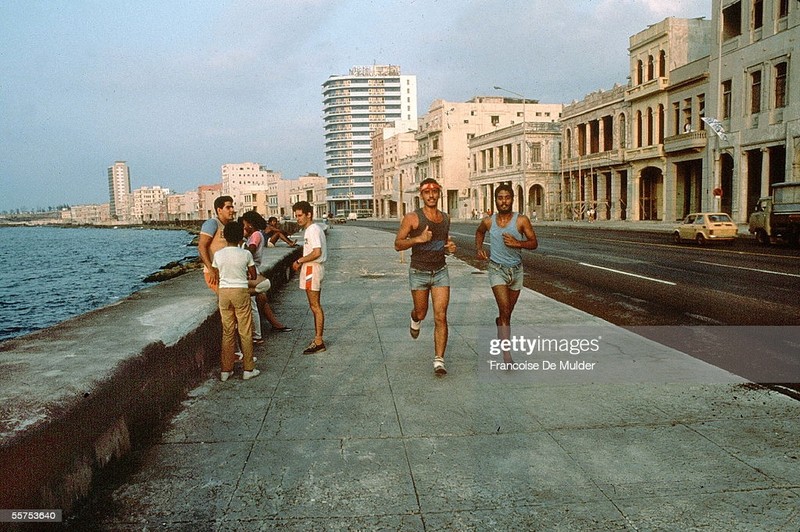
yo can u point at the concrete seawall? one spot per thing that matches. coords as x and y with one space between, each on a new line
78 396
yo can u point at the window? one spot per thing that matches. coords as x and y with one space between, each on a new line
639 72
755 92
726 99
676 117
662 64
536 152
650 68
495 120
758 14
701 110
638 129
732 21
780 85
783 8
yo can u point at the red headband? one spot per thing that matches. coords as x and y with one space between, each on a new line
427 186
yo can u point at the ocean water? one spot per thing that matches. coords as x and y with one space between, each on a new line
49 274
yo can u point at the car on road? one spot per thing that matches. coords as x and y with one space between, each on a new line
704 227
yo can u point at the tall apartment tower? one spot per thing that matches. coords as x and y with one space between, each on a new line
354 105
119 191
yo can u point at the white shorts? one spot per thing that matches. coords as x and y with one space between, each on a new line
311 275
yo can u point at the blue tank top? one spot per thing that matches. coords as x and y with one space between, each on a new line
500 253
430 255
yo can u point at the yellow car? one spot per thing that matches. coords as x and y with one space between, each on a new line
705 227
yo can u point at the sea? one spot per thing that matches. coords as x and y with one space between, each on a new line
50 274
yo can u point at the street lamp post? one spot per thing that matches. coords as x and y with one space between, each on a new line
524 144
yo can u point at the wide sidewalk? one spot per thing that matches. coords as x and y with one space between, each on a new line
365 437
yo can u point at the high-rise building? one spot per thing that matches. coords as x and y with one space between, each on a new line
119 190
355 105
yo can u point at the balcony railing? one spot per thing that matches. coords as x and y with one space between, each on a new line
691 141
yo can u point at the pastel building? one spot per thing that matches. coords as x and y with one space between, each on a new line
355 105
119 191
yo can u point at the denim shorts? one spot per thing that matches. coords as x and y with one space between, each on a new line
510 276
425 280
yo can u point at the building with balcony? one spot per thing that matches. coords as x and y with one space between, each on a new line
310 188
149 204
614 158
755 97
354 105
389 147
443 144
250 185
526 156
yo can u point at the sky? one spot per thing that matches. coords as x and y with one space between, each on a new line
177 88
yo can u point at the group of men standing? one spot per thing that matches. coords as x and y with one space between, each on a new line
426 231
235 279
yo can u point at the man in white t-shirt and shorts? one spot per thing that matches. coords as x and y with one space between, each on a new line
312 270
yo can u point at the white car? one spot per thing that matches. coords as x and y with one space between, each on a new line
703 227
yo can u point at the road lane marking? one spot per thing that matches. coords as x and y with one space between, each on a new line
627 273
750 269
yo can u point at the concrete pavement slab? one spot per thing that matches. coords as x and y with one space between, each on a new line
365 437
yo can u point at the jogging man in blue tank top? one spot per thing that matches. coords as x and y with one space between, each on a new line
509 234
426 231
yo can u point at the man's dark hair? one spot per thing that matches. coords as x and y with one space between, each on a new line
272 219
427 181
255 219
504 187
233 232
303 206
220 202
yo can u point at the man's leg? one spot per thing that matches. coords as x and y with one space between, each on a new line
506 300
228 347
441 299
244 316
256 320
315 305
420 299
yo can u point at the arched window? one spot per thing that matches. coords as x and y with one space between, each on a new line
639 129
623 132
639 72
662 64
660 124
649 126
650 68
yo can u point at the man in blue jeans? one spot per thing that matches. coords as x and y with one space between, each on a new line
509 234
426 231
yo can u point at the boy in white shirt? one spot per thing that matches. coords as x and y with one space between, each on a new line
235 266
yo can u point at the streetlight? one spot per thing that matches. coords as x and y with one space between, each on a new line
524 146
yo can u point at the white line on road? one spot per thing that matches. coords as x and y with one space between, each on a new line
750 269
627 273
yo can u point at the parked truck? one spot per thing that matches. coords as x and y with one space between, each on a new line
778 216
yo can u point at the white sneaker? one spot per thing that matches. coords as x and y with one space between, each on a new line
263 286
225 375
250 374
438 366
